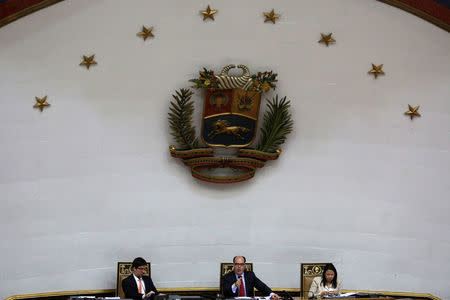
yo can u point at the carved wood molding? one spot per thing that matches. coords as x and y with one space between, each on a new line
440 21
199 290
25 11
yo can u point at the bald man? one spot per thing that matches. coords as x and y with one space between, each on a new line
241 283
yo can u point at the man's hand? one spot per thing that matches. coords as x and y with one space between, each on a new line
275 297
238 283
149 294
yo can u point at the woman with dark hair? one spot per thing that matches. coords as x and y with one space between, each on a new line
327 285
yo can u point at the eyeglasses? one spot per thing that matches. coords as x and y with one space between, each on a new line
142 268
238 264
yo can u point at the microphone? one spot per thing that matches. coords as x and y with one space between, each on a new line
288 295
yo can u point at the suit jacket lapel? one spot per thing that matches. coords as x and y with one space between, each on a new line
134 283
146 283
248 285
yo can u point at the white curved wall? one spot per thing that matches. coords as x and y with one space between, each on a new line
90 182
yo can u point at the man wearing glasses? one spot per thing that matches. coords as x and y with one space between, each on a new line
137 286
241 283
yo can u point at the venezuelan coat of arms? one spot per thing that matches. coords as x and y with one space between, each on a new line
230 120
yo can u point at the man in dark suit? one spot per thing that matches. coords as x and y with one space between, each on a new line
241 283
137 286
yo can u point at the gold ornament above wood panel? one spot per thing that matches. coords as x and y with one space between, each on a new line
376 70
208 13
326 38
88 61
41 103
272 16
413 111
146 32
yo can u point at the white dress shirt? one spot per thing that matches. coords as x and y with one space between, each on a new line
142 284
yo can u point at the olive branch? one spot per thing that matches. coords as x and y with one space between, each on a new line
180 119
277 125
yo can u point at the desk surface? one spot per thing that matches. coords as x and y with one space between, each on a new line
377 298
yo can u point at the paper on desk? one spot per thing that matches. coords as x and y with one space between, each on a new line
347 294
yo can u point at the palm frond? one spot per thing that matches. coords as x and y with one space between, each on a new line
180 119
277 124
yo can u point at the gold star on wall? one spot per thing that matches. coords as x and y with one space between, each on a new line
327 39
146 32
88 61
376 70
41 103
413 111
208 13
271 17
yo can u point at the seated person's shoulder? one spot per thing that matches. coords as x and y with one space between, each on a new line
317 279
229 275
